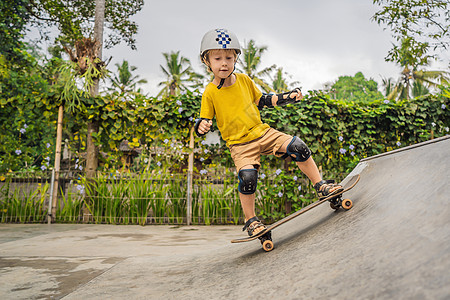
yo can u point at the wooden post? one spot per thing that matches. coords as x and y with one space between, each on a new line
57 161
190 178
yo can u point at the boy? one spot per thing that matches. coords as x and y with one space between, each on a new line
235 101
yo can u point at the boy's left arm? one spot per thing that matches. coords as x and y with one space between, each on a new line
280 99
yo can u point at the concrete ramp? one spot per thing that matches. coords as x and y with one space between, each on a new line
393 244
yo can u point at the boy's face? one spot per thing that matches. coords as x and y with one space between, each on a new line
222 62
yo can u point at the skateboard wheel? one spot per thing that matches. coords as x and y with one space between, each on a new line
267 245
347 204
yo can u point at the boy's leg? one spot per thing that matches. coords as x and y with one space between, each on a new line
248 204
309 168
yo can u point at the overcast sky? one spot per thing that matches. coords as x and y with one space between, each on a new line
314 41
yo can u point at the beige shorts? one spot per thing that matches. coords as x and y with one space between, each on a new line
250 153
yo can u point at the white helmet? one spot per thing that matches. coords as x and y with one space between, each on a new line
219 39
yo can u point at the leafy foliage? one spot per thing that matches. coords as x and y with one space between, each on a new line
423 25
355 88
74 19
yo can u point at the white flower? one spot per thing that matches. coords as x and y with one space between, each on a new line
341 138
280 194
295 178
278 172
262 176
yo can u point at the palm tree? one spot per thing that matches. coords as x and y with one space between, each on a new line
179 74
280 83
388 84
124 82
413 82
411 75
250 62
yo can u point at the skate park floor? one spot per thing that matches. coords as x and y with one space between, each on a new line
393 244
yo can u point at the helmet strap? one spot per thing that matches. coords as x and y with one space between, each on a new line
222 80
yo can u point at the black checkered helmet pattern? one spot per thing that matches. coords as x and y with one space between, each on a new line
219 39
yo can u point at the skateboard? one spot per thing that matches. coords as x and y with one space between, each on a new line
335 200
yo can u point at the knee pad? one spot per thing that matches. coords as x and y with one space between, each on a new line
299 149
248 179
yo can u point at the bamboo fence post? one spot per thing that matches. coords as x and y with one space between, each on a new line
57 161
190 178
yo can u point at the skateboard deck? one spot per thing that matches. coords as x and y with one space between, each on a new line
335 202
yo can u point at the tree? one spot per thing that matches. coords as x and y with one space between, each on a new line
25 131
124 82
414 83
250 61
74 19
355 88
280 83
388 85
413 80
83 41
179 73
424 25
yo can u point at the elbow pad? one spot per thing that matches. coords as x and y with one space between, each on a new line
265 101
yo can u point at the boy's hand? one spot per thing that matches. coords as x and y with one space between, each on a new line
204 126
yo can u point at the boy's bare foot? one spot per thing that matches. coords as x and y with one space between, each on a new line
253 226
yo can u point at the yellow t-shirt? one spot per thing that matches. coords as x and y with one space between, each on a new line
236 113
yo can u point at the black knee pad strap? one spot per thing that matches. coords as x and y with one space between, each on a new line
298 149
248 179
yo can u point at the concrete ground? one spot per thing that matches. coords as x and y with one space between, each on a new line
54 261
393 244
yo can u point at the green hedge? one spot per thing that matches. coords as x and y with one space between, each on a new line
341 133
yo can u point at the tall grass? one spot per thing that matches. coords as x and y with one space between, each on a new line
158 198
71 208
23 205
